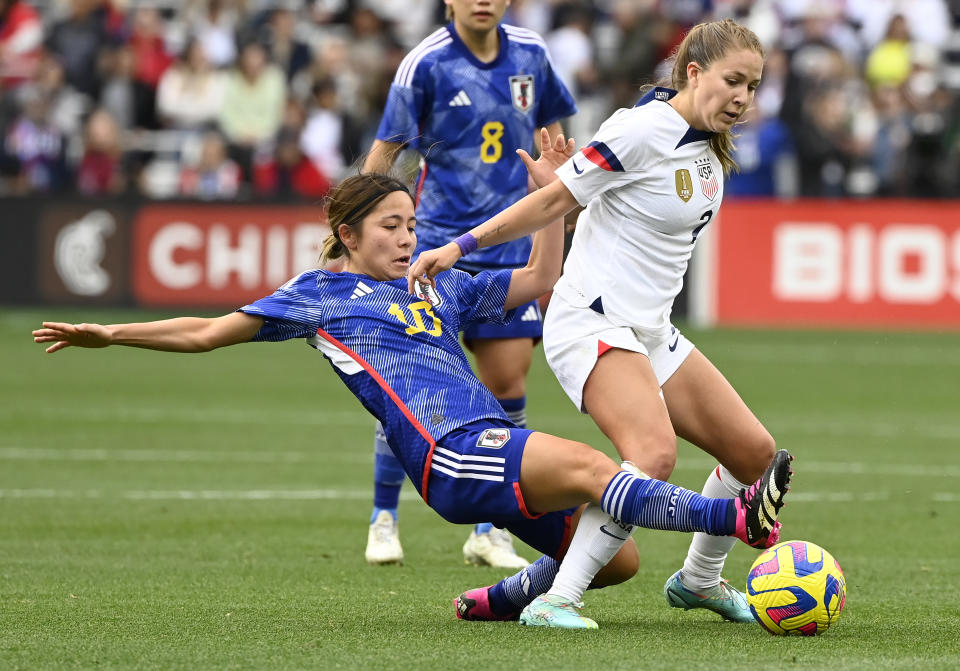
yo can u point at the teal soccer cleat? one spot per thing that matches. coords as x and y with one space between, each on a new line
722 599
549 610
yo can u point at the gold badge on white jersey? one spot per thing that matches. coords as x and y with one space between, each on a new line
684 184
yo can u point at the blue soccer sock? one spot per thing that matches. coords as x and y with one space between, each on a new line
483 528
656 504
516 409
512 594
388 477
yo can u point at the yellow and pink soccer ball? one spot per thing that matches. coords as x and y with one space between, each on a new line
796 588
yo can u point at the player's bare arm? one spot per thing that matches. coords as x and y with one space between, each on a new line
181 334
524 217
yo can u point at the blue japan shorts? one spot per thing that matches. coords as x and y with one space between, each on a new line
527 322
475 477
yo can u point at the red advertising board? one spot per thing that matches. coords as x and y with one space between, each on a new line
220 255
880 263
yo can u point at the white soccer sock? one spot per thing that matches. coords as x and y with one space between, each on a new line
596 541
707 553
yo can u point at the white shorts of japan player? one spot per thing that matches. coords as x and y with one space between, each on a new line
572 338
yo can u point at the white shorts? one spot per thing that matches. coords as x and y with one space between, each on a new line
575 337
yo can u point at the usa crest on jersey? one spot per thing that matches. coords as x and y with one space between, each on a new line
521 91
708 178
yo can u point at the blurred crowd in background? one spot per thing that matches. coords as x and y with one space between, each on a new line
261 99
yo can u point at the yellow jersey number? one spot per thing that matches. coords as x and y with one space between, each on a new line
492 149
418 310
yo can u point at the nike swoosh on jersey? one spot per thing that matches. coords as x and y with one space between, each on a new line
576 169
603 528
673 346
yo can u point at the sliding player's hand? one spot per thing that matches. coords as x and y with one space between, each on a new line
552 156
76 335
429 264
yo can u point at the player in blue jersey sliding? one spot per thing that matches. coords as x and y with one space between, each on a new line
651 180
466 98
399 354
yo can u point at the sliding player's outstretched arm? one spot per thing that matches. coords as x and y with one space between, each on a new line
181 334
546 257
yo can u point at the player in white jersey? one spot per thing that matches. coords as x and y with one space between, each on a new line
650 180
398 353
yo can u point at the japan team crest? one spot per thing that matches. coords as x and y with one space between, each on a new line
708 178
494 438
521 92
427 293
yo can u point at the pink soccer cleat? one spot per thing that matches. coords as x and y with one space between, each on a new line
474 604
759 506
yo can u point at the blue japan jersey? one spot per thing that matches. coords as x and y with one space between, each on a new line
398 353
467 118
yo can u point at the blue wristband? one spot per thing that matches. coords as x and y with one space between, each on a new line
467 243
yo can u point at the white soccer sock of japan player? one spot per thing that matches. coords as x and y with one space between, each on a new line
707 553
596 541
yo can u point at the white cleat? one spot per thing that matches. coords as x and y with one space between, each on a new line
494 548
383 541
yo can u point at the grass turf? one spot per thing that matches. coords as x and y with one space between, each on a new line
185 512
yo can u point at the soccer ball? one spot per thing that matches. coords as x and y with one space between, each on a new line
796 587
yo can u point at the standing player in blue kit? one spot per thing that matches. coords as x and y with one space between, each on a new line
466 98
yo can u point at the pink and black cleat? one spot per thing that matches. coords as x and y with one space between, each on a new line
759 506
474 604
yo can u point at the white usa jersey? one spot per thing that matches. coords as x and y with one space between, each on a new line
650 183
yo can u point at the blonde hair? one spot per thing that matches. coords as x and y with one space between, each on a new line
704 44
349 203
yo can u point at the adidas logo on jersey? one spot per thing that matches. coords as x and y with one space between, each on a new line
361 290
461 99
532 314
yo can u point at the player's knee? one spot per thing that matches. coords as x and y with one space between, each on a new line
592 468
763 449
754 456
655 455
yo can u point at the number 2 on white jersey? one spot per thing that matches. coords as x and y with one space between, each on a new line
705 219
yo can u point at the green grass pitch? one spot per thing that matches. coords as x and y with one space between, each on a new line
163 511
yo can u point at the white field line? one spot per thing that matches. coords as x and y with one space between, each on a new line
857 354
211 416
227 456
858 426
161 456
200 494
865 427
366 495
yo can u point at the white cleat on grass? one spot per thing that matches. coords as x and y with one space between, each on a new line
494 548
383 541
